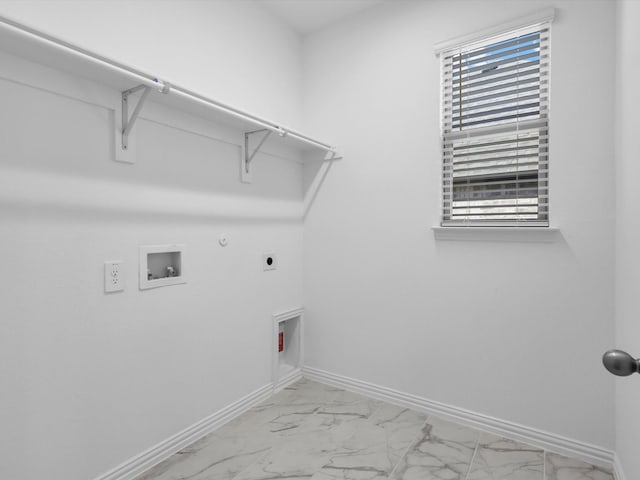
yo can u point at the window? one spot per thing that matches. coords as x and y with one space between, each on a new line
495 132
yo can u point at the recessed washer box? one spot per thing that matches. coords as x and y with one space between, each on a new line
161 265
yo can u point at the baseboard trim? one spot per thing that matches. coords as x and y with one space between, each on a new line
532 436
288 379
163 450
617 468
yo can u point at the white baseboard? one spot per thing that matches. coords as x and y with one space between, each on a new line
288 379
532 436
163 450
617 468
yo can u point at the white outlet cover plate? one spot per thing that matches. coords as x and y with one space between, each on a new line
113 276
265 261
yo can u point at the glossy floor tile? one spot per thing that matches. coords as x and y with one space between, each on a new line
497 458
318 432
562 468
443 450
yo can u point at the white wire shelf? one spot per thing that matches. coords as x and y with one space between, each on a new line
39 47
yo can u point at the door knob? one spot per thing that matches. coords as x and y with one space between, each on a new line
620 363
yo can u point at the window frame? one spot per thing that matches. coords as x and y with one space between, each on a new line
539 22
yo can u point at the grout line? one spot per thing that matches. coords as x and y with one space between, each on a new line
473 457
411 445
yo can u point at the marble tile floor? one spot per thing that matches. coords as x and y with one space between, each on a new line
313 431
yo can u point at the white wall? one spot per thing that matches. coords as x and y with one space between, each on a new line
233 51
627 230
90 380
514 330
136 367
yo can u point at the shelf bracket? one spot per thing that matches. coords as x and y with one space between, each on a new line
247 156
129 121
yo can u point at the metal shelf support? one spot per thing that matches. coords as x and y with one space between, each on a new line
248 155
129 121
42 45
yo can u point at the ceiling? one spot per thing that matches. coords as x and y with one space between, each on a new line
306 16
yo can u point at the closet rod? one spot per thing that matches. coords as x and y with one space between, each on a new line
282 131
155 82
79 52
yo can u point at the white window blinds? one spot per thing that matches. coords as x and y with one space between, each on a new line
495 113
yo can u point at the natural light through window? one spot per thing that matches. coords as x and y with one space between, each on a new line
495 131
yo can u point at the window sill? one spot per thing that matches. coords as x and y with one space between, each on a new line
498 234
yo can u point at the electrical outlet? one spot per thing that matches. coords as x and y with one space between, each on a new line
113 276
269 261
